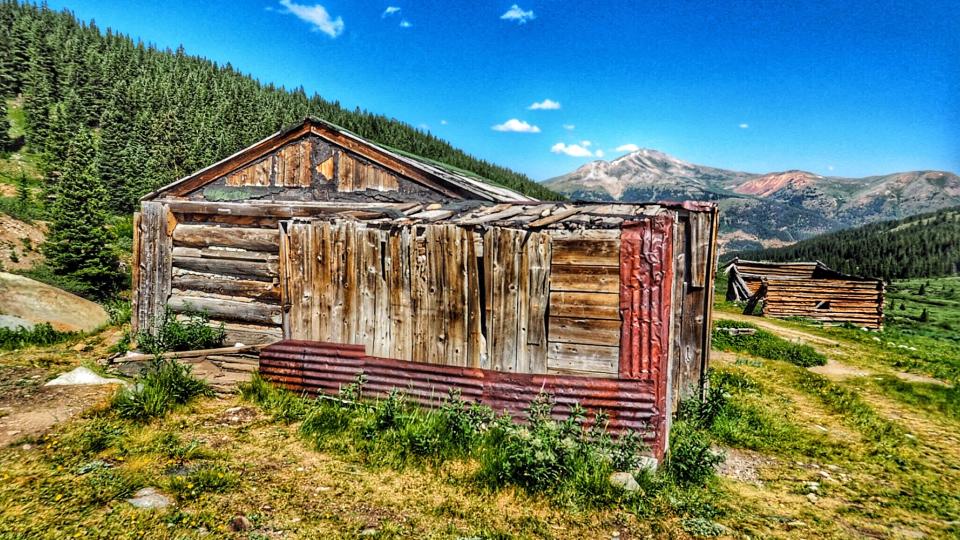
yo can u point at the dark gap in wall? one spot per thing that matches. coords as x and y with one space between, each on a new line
482 284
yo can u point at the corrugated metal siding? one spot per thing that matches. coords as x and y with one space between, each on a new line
313 367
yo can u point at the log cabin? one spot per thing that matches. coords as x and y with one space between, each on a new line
808 290
345 256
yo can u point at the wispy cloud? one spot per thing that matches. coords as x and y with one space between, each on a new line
569 127
405 24
316 16
598 153
744 126
572 150
585 143
830 167
391 10
516 126
516 13
545 105
443 122
629 147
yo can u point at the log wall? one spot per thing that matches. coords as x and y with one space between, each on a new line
830 301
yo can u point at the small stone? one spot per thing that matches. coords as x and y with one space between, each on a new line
150 498
26 447
369 531
824 474
812 497
13 432
648 463
625 481
813 487
79 347
796 524
233 410
240 523
833 468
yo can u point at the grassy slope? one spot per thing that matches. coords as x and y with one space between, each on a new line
884 451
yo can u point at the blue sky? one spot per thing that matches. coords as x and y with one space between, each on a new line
830 87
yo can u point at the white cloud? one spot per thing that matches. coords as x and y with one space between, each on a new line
744 126
569 127
629 147
443 122
316 16
545 105
516 126
405 24
829 167
516 13
391 10
598 153
572 150
585 143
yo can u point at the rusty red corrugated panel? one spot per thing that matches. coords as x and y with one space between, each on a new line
315 367
646 278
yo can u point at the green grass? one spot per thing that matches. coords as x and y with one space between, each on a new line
41 334
764 344
164 386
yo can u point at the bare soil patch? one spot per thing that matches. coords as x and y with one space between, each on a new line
20 242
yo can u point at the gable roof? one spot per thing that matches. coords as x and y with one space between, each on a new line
788 270
450 181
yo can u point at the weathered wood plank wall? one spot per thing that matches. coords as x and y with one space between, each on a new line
153 254
584 314
415 293
830 301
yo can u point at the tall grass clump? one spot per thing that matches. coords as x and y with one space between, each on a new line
40 334
165 385
171 333
764 345
568 458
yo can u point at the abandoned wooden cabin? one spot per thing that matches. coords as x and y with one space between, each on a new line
809 290
354 257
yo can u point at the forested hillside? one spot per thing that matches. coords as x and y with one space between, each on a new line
157 115
927 245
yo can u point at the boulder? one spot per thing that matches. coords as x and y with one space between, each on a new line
37 303
625 481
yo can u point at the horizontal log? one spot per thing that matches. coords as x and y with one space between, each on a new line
224 253
248 238
584 331
217 284
585 305
227 267
250 334
269 209
252 312
140 357
586 252
585 278
571 357
234 221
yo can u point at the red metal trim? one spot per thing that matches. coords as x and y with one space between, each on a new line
314 367
646 270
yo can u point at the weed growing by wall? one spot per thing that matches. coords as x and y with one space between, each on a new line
165 385
173 334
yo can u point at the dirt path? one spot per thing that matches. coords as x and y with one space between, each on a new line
835 368
28 409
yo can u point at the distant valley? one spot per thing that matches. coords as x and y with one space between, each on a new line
763 210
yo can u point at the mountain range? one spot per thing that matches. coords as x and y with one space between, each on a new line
762 210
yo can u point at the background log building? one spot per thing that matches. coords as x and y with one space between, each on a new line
805 289
427 279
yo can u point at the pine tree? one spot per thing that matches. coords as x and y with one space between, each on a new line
924 316
923 290
78 245
6 142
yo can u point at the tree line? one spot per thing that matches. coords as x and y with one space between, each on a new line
161 114
926 245
110 119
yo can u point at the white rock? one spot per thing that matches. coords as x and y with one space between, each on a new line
625 481
648 463
82 376
812 498
149 498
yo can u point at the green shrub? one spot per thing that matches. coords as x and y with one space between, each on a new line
165 385
765 345
41 334
690 460
119 311
173 334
